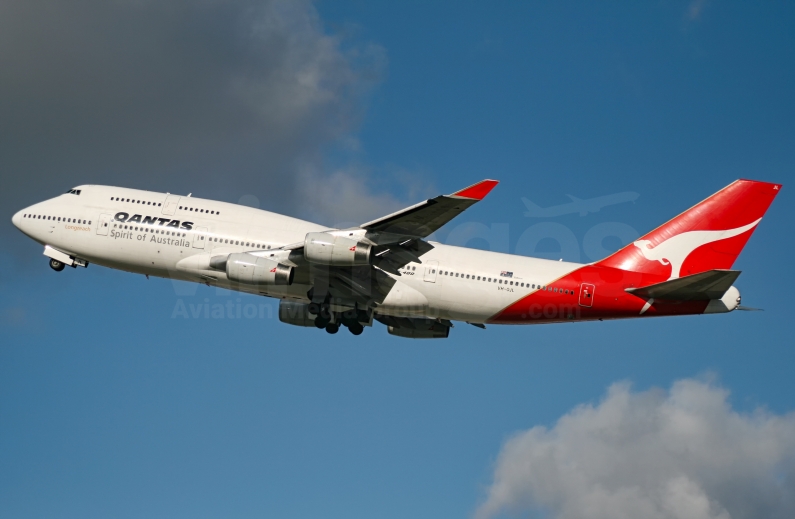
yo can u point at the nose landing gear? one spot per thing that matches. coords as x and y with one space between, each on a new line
56 265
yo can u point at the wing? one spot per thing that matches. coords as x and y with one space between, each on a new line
396 240
398 237
420 220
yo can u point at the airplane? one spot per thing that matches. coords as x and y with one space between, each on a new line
578 205
386 271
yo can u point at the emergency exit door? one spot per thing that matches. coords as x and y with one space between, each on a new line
170 205
103 224
199 237
586 294
430 271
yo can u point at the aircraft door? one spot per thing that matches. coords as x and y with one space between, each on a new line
103 224
586 294
199 237
170 205
430 271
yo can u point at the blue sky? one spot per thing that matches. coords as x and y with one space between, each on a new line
113 403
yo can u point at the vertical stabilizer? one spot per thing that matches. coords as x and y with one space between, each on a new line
708 236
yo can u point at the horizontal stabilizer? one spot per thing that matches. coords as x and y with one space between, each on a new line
704 286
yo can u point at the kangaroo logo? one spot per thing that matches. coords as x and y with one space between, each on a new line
674 251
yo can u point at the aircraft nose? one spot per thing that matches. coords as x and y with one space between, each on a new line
17 219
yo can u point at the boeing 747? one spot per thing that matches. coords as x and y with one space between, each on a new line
386 270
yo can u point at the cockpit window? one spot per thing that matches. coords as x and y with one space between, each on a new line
74 191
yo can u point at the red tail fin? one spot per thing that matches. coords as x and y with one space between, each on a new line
709 235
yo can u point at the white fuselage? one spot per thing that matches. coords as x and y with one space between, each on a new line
175 237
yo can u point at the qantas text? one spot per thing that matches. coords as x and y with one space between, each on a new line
152 220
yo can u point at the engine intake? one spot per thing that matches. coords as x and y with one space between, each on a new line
250 269
326 249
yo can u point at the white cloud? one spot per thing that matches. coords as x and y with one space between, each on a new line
684 453
343 197
219 98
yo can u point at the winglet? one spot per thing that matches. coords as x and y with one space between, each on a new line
477 191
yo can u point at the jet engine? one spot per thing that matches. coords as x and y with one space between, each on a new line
326 249
296 314
250 269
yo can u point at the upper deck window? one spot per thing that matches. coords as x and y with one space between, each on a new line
74 191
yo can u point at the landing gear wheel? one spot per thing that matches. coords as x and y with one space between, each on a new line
356 329
321 322
56 265
332 328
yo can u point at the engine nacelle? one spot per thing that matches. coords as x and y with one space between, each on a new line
326 249
250 269
296 314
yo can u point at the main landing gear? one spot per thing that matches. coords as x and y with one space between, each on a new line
56 265
324 319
